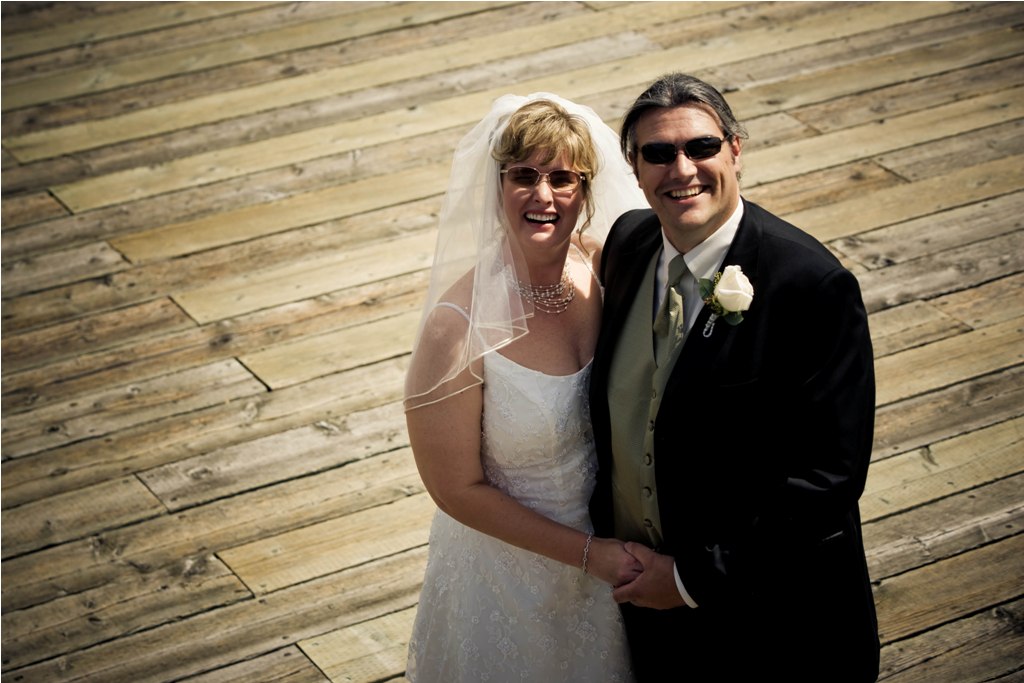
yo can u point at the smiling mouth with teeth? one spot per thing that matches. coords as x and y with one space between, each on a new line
542 217
687 192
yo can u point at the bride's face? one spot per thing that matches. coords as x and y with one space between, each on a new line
541 217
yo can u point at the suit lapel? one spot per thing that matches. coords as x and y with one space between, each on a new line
703 346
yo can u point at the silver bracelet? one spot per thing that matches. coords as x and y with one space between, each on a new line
586 551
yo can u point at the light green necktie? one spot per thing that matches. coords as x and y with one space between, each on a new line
668 324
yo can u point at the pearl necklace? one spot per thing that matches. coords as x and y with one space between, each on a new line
549 298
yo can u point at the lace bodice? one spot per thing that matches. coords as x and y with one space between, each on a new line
537 440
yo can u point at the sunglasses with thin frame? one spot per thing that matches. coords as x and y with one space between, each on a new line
696 149
563 180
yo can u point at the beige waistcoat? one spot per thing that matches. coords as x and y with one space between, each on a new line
635 387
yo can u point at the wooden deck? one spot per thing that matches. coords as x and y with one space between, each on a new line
218 220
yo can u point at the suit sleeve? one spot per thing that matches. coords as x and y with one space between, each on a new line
808 462
832 441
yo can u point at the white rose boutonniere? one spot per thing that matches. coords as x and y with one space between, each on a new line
728 295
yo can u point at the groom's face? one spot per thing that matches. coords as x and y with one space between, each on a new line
692 197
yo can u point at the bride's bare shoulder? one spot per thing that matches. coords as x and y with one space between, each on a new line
591 249
446 322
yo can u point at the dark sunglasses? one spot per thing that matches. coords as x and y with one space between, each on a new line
560 181
696 149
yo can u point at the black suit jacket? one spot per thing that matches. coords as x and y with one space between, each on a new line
762 445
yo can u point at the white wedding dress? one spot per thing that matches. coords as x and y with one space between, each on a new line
490 611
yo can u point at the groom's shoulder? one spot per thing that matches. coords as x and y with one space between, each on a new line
642 220
787 241
632 231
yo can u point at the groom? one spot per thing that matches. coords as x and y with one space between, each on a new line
733 423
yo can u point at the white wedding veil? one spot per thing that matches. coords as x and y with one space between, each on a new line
457 328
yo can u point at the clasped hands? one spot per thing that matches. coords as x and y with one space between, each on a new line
638 574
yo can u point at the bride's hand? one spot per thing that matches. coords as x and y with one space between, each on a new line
609 561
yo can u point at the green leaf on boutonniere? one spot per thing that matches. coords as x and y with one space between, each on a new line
734 318
707 288
707 294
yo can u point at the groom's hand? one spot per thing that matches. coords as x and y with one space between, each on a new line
656 585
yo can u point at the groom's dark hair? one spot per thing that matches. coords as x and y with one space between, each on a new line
677 90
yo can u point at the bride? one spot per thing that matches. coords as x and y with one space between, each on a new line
517 587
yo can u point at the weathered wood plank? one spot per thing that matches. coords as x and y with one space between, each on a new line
107 330
278 35
950 589
899 36
243 630
827 186
944 157
320 274
304 554
939 415
916 371
230 23
76 514
177 88
828 22
30 208
826 18
944 468
576 84
287 665
43 271
141 284
20 17
875 138
278 457
152 444
139 600
169 539
991 303
943 273
914 324
255 188
258 220
158 354
982 647
329 82
944 528
859 143
303 360
267 124
7 161
122 407
818 98
946 229
936 74
374 650
145 16
913 200
284 119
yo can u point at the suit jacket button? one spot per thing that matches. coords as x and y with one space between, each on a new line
648 492
647 459
648 523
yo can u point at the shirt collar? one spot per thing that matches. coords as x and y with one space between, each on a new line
706 258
